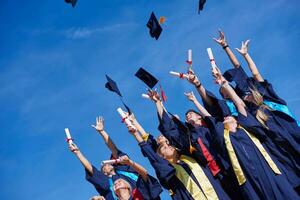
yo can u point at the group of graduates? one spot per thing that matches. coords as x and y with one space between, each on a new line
244 145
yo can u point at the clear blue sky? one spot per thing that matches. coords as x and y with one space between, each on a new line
53 61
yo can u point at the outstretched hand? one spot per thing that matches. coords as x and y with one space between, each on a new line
192 78
190 96
221 40
99 126
244 48
124 160
73 147
217 74
154 96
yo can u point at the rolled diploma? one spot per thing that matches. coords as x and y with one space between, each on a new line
211 58
123 115
68 135
146 96
110 161
178 74
190 55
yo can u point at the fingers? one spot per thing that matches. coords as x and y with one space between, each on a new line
247 42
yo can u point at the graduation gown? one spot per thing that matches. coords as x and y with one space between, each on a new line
283 129
141 190
261 181
185 140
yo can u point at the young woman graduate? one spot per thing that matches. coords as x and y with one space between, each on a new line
141 183
180 174
271 111
255 169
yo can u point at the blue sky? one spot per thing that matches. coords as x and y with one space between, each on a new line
52 74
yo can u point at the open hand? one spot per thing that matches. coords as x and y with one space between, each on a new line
99 124
244 48
221 40
190 96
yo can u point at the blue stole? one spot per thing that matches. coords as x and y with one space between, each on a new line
232 108
281 108
130 175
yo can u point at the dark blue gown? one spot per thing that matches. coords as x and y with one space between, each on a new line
282 128
182 139
149 189
261 182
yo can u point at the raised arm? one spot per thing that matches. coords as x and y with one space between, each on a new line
99 126
138 126
222 41
194 80
252 66
220 80
201 109
154 96
137 167
86 164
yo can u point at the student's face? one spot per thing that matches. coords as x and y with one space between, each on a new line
108 169
166 151
162 140
192 118
120 184
229 122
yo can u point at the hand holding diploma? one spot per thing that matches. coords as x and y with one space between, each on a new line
124 117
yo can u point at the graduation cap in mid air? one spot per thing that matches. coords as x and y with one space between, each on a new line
146 77
150 81
154 26
201 5
112 86
73 2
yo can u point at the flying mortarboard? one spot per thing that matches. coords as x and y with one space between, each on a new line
73 2
154 27
112 86
201 5
146 77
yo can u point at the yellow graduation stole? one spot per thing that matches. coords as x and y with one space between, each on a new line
234 160
206 191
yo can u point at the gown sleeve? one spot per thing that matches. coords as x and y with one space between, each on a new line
169 129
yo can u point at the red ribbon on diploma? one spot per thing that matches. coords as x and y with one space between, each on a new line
181 75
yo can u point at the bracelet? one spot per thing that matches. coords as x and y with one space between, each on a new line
198 86
224 47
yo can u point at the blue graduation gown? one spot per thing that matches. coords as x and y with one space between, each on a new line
182 140
261 182
149 189
283 130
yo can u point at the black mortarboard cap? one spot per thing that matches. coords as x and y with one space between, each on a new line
146 77
112 86
154 26
201 5
73 2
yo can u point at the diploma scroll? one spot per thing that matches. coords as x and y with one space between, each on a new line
180 75
111 161
124 117
68 135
